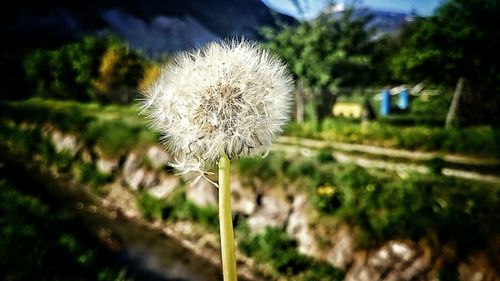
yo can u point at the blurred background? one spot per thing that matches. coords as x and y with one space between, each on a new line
389 169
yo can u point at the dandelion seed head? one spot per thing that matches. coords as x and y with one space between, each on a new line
230 96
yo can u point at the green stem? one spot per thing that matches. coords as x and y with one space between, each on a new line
225 220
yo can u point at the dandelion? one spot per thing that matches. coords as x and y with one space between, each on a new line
215 104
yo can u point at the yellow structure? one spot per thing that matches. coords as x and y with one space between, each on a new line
348 109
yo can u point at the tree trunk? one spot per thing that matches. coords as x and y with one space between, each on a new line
299 102
453 116
326 101
368 112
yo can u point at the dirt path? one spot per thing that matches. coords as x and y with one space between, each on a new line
389 152
395 159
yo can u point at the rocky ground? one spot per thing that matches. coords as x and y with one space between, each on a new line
262 206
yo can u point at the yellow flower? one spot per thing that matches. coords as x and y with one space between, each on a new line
326 190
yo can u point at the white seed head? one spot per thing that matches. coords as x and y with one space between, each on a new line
230 96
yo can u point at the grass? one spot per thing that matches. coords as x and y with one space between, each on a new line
285 260
386 205
381 205
38 242
480 140
113 126
274 246
175 208
115 138
113 130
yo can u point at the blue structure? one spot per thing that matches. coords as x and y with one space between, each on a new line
385 103
404 100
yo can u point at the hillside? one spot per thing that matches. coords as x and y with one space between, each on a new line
152 25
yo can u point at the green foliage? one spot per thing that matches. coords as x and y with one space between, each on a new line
70 116
459 41
90 69
325 53
251 167
434 102
151 207
385 206
481 140
89 174
97 125
274 246
442 209
65 73
40 243
32 141
113 137
177 207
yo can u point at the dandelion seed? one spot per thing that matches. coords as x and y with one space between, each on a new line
230 96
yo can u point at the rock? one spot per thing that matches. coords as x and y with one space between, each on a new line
166 185
396 260
298 226
202 193
86 156
342 252
157 156
149 179
132 173
122 198
65 142
132 163
107 166
273 212
243 199
134 178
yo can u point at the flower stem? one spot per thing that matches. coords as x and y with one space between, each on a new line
225 220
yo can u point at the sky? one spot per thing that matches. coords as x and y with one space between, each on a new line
313 7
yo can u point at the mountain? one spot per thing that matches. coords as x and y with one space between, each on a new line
153 25
386 21
380 21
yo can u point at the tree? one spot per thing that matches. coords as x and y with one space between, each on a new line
327 53
460 42
95 68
